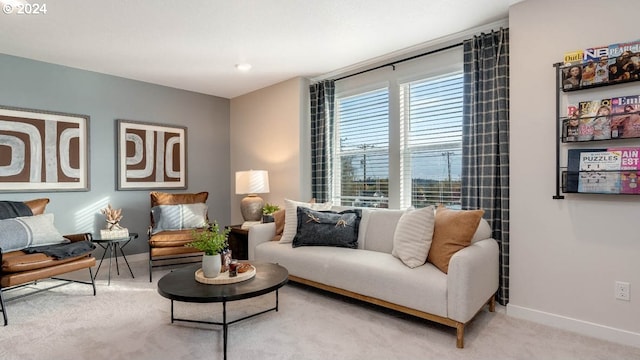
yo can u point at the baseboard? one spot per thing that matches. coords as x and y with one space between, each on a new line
575 325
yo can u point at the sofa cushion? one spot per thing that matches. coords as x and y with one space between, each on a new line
370 273
178 217
412 238
327 228
291 217
37 206
453 231
25 231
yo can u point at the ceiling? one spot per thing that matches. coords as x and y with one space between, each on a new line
194 45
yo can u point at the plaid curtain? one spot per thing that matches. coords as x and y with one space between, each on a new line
322 100
485 139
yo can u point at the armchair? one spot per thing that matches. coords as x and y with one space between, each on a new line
167 242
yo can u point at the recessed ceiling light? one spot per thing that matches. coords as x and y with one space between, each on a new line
243 67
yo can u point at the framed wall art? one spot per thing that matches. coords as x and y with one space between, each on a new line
151 156
43 151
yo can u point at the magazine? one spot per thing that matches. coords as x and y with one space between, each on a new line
587 110
570 124
630 166
595 69
624 61
599 172
573 57
625 119
573 168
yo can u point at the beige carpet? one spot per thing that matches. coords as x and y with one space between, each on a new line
130 320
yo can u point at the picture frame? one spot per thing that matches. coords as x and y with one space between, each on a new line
151 156
43 151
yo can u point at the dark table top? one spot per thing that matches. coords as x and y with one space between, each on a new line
181 285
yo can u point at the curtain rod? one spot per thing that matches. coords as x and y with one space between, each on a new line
401 61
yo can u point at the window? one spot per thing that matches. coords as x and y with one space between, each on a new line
431 141
397 136
362 150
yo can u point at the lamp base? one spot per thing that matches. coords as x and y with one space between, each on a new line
251 208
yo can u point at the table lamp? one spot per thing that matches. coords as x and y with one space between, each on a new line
252 182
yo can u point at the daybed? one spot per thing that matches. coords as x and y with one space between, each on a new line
21 267
371 273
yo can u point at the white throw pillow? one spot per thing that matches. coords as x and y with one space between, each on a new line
27 231
291 217
412 238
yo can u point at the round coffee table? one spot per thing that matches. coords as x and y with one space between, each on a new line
181 285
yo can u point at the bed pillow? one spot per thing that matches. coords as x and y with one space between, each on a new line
452 232
29 231
178 217
412 237
291 217
327 228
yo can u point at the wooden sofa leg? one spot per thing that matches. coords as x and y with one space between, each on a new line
492 304
4 308
459 335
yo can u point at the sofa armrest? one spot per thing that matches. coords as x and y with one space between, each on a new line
258 234
472 279
78 237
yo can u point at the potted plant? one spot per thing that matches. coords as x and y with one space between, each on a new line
212 241
267 212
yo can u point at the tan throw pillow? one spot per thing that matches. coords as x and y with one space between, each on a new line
37 206
453 231
278 218
412 238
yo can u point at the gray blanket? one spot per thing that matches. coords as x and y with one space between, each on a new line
63 251
12 209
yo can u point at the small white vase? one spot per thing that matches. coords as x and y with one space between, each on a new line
211 265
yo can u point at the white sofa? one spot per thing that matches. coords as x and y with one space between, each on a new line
370 273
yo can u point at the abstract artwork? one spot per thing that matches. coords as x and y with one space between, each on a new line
151 156
43 151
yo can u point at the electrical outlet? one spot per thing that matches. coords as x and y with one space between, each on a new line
623 291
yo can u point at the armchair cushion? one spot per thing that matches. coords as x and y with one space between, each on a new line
178 217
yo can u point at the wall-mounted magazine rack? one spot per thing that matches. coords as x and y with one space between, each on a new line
617 169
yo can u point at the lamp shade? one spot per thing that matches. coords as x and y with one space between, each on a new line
252 182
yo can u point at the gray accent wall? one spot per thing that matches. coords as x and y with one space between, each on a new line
32 84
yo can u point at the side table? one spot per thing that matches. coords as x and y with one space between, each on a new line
111 246
239 242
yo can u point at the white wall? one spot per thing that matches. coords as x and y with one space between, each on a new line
565 255
268 131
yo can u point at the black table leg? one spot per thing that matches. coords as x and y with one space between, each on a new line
224 327
125 260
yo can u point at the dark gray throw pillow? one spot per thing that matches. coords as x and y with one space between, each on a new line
327 228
